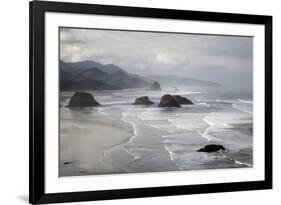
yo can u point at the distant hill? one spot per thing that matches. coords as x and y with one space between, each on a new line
111 68
82 65
66 75
173 80
90 75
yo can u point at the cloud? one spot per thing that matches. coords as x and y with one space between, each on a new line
222 59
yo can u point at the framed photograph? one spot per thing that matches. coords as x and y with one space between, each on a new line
130 102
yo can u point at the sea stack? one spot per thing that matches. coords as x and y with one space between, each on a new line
155 86
211 148
182 100
144 100
168 101
82 99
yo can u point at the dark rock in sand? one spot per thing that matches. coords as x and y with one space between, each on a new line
144 100
155 86
168 101
82 99
182 100
211 148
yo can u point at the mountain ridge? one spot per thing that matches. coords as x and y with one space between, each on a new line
91 75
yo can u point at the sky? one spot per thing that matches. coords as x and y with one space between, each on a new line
223 59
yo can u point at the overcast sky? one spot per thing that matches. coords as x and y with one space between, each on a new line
223 59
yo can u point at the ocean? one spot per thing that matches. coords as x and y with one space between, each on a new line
167 139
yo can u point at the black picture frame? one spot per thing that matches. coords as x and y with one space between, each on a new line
37 194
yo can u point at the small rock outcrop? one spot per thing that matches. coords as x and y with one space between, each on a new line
168 101
182 100
144 100
211 148
82 99
155 86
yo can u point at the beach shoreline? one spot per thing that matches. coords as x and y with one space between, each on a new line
83 154
119 137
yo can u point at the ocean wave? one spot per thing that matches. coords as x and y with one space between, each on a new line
130 140
241 108
173 155
170 152
225 101
101 111
211 124
161 128
245 101
205 104
135 131
235 160
241 163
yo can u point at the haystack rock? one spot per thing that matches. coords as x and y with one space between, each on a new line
144 100
82 99
155 86
182 100
168 101
211 148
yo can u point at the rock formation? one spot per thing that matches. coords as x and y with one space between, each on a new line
182 100
144 100
211 148
168 101
82 99
155 86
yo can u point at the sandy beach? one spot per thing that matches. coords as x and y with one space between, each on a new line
82 154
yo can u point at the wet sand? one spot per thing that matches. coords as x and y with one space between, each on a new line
82 154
